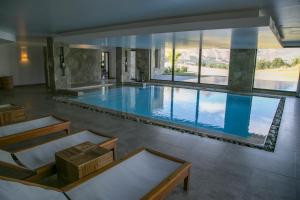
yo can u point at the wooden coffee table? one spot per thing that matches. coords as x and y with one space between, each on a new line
81 160
10 113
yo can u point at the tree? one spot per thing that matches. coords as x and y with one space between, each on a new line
296 61
277 62
170 57
263 64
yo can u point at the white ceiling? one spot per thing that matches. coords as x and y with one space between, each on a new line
41 18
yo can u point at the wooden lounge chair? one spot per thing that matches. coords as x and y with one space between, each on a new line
9 167
143 174
21 131
13 189
40 159
10 113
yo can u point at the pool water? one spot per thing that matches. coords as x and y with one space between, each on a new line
235 115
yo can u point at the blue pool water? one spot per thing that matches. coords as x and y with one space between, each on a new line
238 115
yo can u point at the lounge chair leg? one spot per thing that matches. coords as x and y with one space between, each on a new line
186 183
115 153
68 131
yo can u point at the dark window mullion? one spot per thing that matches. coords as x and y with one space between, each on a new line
200 58
173 57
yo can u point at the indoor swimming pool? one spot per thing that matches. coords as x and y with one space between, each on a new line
243 118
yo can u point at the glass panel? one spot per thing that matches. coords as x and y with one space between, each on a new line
104 65
214 66
162 69
277 69
186 64
132 64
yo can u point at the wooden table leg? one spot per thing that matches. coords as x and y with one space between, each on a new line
186 183
115 153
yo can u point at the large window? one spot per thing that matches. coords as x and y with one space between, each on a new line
161 65
180 61
186 56
277 69
186 64
214 66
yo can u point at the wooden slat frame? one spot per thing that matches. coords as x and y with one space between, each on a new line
162 189
12 107
158 192
17 169
29 183
64 125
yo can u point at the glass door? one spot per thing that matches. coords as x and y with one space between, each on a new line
105 65
132 65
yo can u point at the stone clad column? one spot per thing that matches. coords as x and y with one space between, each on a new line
56 79
62 80
50 62
241 69
119 65
242 60
143 63
46 68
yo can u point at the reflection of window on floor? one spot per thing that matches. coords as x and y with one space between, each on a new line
214 66
277 69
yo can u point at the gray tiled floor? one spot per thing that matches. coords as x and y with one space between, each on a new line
220 170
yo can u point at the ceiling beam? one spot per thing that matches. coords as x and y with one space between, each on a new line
234 19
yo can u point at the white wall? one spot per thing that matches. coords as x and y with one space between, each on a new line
4 61
24 74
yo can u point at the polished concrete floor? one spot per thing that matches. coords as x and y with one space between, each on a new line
220 170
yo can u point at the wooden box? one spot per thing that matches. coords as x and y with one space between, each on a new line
11 113
6 82
81 160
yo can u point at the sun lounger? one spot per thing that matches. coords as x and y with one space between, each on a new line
12 189
6 157
9 167
17 132
143 174
41 158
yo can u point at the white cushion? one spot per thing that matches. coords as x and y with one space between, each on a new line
10 190
129 180
5 106
44 154
28 125
7 158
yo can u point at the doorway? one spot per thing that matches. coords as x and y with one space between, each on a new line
105 65
132 65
